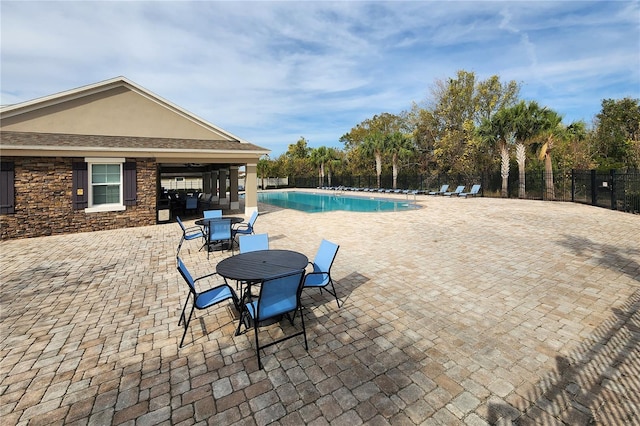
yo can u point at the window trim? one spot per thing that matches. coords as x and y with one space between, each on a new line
111 207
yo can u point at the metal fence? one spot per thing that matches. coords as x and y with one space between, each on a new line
617 190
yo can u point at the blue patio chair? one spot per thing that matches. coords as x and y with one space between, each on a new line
443 189
246 228
212 214
320 277
279 295
191 203
205 201
188 234
475 189
254 242
248 243
202 300
458 190
219 232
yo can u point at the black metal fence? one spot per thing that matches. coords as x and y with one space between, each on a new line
617 190
613 189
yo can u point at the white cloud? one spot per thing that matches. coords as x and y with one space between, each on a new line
271 72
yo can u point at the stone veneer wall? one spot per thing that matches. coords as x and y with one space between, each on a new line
43 202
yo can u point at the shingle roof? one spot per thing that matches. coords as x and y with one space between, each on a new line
50 140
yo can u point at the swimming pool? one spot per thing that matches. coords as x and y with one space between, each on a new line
312 202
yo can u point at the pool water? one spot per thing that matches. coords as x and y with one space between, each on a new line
313 202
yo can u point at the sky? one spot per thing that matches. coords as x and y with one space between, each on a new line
273 72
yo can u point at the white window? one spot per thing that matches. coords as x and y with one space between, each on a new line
105 184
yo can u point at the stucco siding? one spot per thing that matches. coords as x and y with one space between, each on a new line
115 112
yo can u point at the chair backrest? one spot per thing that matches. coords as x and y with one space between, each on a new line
253 242
186 275
220 230
212 214
325 256
459 189
181 224
444 188
192 202
280 294
475 189
252 219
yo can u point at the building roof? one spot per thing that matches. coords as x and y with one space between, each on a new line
48 126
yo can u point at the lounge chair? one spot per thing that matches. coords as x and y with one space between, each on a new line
443 189
474 191
458 190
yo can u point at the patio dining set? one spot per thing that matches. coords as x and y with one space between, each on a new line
277 276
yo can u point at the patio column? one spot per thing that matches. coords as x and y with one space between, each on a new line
234 204
251 189
222 187
206 182
214 185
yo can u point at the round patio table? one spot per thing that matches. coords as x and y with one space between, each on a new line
205 222
259 265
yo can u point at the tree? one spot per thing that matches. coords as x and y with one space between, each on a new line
574 151
370 138
617 136
491 96
374 144
551 131
528 121
334 160
295 162
299 150
319 157
459 105
263 169
498 131
399 145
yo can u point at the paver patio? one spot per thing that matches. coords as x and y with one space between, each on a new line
466 311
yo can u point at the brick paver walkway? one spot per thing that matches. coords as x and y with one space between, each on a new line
476 311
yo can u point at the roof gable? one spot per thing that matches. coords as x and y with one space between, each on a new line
116 107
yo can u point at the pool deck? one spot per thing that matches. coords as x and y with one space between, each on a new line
465 311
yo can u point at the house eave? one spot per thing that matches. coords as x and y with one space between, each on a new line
160 154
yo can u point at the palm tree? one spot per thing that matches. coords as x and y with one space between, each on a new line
550 131
498 131
319 156
334 159
527 120
399 145
263 169
375 144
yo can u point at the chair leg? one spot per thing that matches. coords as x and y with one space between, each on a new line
184 309
304 330
255 328
180 245
335 294
186 324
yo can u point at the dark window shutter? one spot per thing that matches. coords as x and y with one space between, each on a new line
7 188
80 178
129 177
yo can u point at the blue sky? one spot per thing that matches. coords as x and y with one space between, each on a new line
272 72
